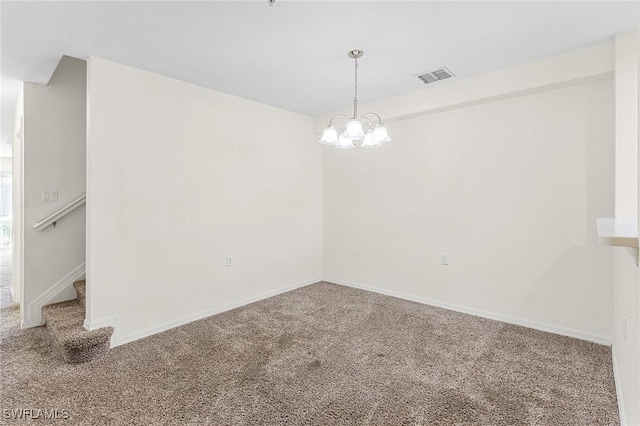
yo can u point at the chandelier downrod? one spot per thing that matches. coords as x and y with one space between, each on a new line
355 54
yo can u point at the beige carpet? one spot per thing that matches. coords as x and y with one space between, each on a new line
5 275
320 355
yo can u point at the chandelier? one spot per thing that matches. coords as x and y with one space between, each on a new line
354 130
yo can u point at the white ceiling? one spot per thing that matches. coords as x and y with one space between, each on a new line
293 55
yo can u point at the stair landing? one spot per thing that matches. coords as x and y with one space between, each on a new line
65 322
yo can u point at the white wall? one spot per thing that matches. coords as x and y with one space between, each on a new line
6 164
626 345
508 184
54 159
17 195
179 177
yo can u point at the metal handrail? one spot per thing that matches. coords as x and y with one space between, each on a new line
53 218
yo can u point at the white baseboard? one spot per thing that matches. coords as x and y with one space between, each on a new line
32 314
117 339
105 322
616 378
578 334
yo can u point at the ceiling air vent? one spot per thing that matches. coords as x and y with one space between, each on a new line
438 74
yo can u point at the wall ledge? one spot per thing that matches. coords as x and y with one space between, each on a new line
617 232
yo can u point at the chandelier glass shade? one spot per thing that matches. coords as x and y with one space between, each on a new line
375 135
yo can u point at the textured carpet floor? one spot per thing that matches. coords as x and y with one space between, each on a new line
5 275
320 355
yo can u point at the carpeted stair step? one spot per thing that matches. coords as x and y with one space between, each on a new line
64 321
81 288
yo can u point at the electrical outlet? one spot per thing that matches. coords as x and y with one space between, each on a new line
444 259
229 261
